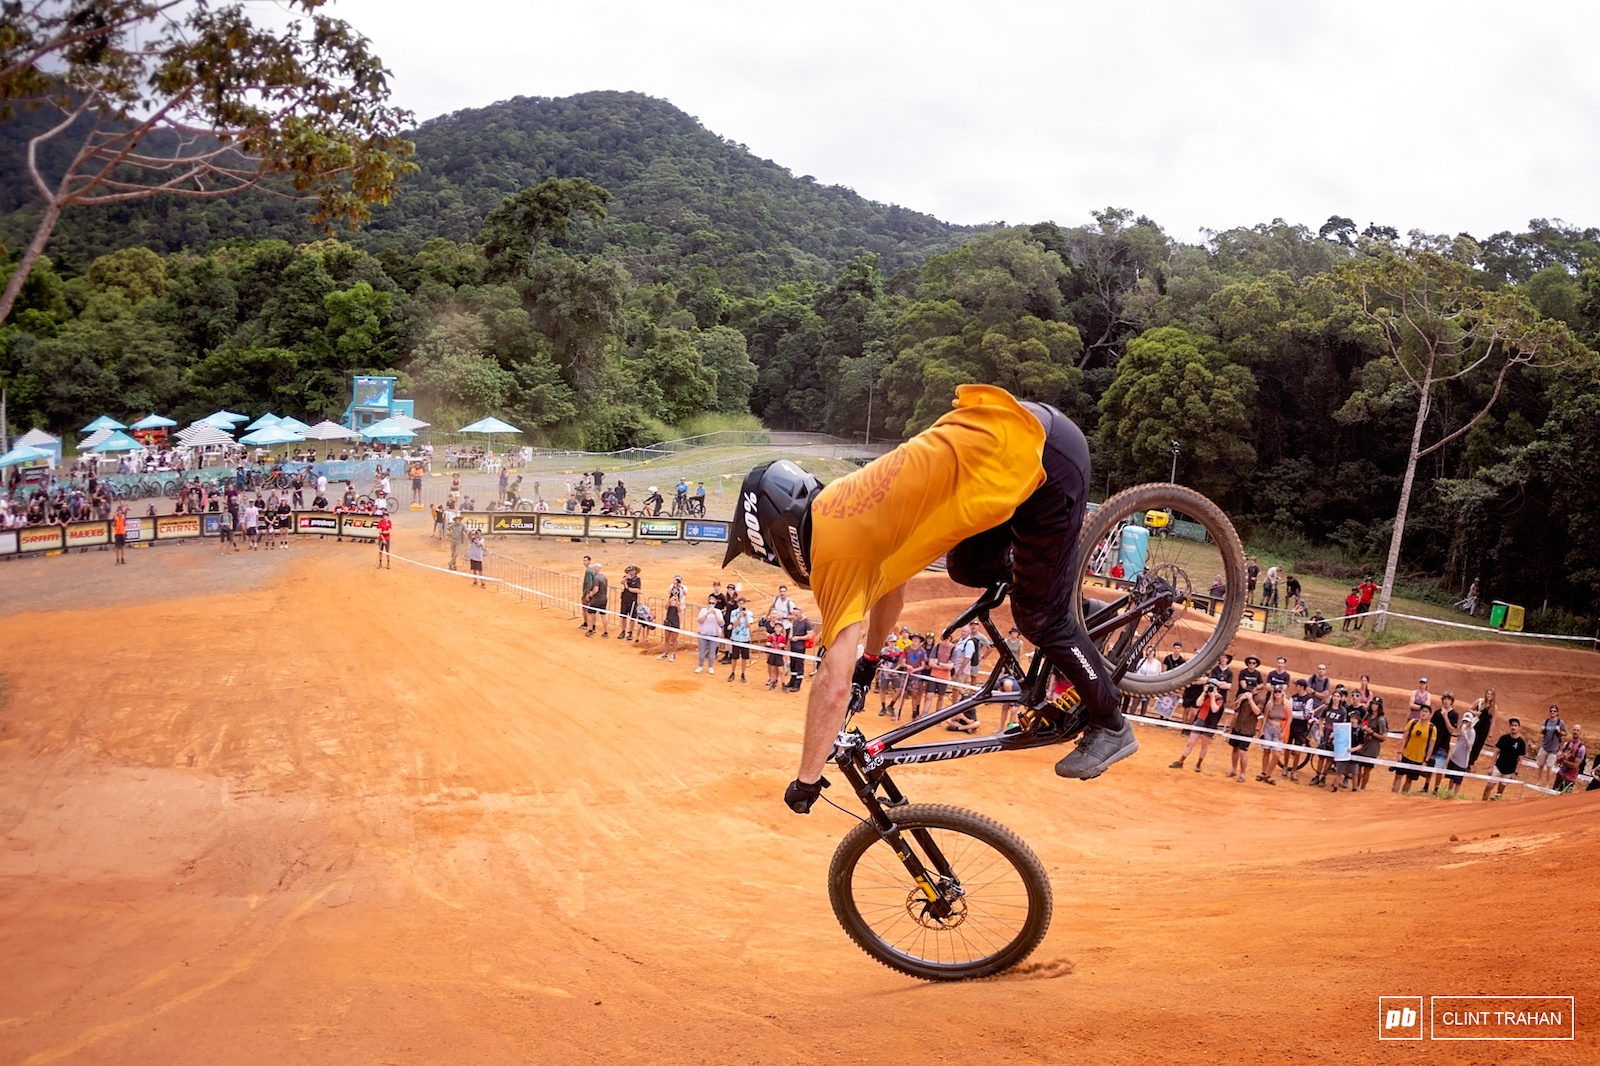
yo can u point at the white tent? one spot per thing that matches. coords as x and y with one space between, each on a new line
37 438
204 435
94 438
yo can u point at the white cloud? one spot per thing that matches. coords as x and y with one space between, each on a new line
1465 116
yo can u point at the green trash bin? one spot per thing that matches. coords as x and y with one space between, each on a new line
1497 613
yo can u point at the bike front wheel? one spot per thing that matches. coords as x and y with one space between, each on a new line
1176 548
998 895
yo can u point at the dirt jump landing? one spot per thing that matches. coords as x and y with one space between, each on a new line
341 816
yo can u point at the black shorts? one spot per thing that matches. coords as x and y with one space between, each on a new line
1299 731
629 601
739 651
383 544
121 540
774 658
1363 608
476 566
1409 775
672 618
1241 743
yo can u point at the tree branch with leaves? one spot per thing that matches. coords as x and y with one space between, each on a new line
192 99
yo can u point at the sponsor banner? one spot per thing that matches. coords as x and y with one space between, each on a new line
513 522
140 529
169 527
84 534
696 530
39 539
1254 618
471 519
211 524
561 525
611 527
8 542
359 526
321 523
660 528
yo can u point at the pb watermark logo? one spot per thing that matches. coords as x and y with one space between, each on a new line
1400 1018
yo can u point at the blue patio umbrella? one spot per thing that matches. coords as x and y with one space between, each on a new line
389 431
24 453
489 427
103 422
224 419
292 424
153 421
117 442
268 419
270 435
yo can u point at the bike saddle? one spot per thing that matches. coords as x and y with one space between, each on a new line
992 597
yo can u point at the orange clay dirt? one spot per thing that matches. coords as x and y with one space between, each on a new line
317 814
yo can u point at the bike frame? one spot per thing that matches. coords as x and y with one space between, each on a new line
865 764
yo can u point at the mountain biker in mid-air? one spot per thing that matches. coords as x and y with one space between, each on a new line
1001 486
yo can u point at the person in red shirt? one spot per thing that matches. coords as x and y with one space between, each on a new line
385 527
1367 590
1351 602
1117 570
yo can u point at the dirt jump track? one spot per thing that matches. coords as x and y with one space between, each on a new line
326 815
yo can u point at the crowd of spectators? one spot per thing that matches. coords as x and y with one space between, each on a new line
1438 742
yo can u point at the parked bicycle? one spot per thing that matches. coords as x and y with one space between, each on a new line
942 893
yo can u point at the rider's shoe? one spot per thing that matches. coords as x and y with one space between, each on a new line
1097 749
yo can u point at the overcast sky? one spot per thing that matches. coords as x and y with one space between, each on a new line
1439 116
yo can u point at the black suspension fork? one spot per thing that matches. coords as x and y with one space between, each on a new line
866 785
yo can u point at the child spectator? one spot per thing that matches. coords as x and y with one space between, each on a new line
740 619
475 561
777 645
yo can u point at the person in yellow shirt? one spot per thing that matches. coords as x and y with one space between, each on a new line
999 485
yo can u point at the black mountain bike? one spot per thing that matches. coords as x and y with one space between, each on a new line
946 894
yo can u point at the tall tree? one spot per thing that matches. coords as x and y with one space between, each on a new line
192 99
1442 329
513 231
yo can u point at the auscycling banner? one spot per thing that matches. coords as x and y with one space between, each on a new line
513 522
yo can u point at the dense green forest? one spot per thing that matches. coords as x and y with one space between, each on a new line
601 269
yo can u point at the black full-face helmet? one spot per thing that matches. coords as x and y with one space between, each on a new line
772 519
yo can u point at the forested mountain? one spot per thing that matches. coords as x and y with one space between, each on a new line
602 271
681 197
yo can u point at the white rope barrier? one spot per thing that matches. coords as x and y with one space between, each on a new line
1335 620
1165 723
1327 753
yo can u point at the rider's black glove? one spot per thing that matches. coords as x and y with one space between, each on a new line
800 796
861 682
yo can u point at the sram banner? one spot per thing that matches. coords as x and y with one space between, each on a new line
359 526
87 534
39 539
171 527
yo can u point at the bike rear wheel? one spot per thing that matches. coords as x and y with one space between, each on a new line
1173 543
1001 895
